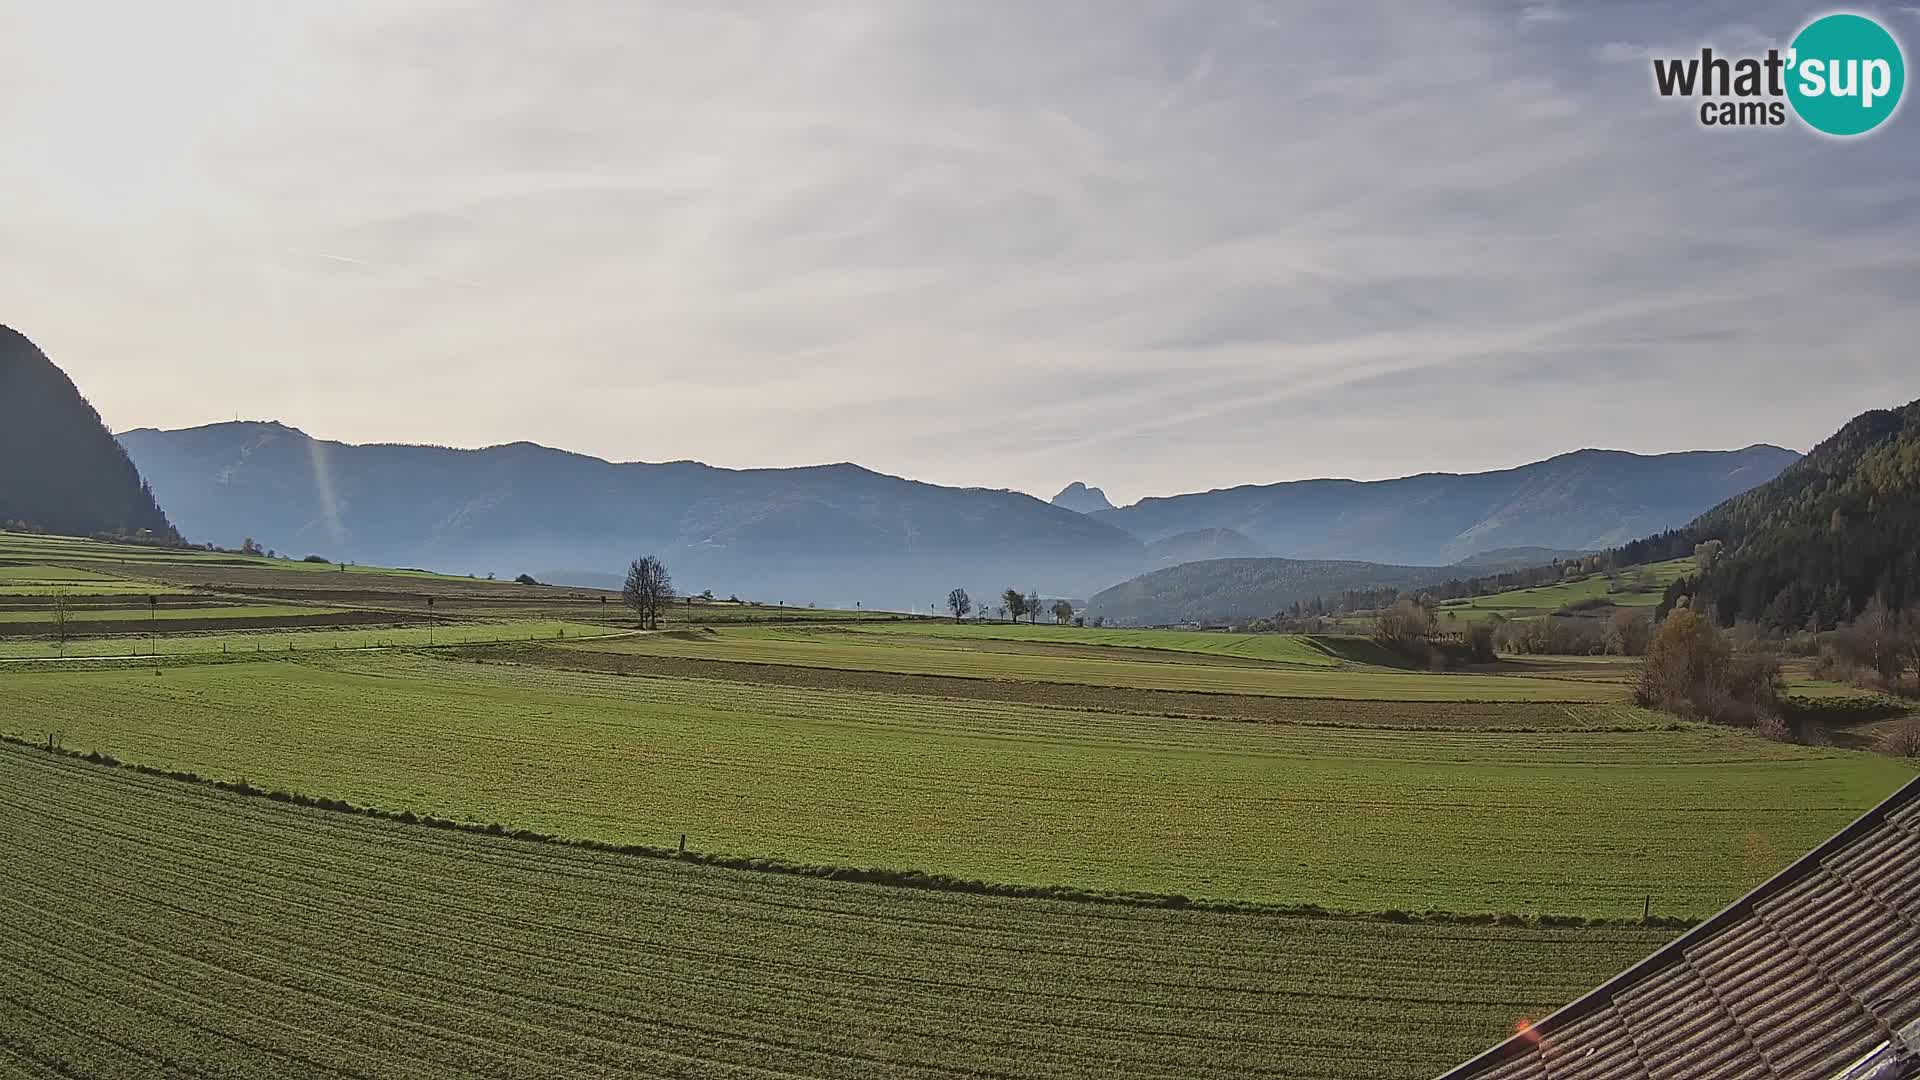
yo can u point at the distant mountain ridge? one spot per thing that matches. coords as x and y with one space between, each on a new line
845 534
60 469
1583 500
1196 544
828 533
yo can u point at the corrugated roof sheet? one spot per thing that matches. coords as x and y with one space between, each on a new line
1800 978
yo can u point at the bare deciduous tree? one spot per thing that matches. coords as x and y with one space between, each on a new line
1407 622
1032 604
62 620
649 589
959 603
1015 603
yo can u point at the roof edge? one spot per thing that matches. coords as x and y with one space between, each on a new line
1672 952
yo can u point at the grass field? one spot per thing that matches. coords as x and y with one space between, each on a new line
909 653
155 928
63 550
158 927
280 641
40 580
1545 599
1282 648
1365 818
168 614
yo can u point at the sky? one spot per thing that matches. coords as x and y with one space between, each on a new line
1156 247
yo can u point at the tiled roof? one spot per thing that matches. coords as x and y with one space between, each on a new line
1804 977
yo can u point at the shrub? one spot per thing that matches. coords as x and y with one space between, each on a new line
1770 725
525 579
1627 633
1404 623
1689 670
1902 739
1479 640
1876 648
1550 636
321 559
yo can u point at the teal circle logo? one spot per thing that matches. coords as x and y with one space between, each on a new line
1845 74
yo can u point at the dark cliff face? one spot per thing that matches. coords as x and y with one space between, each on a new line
60 469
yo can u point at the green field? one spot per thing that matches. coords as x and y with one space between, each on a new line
167 614
1282 648
1545 599
277 641
832 647
158 928
63 550
1363 818
38 580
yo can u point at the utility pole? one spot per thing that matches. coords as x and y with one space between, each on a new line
429 622
153 623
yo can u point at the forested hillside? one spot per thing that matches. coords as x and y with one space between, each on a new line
1814 545
1214 590
60 469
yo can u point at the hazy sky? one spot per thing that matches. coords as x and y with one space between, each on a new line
1156 247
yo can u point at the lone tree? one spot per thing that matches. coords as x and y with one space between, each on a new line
1032 604
1062 612
959 603
62 620
649 590
1015 603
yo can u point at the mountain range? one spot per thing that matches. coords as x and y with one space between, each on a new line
843 534
1584 500
835 534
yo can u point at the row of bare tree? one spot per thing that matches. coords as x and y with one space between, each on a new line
1014 604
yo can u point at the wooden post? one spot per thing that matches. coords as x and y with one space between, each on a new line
683 843
1646 912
